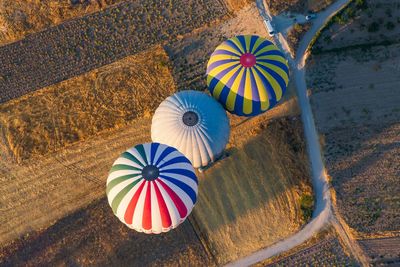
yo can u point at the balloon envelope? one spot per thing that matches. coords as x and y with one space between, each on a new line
194 123
247 74
152 188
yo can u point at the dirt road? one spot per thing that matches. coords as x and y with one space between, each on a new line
322 211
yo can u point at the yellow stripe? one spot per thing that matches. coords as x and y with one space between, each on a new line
248 95
266 49
214 72
247 39
262 91
226 47
278 70
276 58
230 101
257 44
238 44
274 84
214 59
222 82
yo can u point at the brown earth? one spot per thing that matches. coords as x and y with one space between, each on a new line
382 250
375 22
190 54
354 97
70 111
297 6
94 236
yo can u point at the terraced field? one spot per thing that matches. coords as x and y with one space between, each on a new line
328 252
87 43
382 250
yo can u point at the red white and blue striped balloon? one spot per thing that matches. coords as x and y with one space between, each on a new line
152 188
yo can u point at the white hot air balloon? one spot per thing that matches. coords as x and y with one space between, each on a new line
194 123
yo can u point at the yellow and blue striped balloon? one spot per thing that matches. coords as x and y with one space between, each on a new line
247 74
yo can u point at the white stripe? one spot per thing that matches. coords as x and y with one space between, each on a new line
120 173
147 148
126 161
125 201
136 154
156 223
182 195
173 211
184 179
138 214
117 188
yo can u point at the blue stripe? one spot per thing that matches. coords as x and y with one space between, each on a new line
253 40
180 159
220 51
275 63
219 63
271 53
268 87
242 41
187 189
183 172
262 45
276 76
165 153
153 150
233 45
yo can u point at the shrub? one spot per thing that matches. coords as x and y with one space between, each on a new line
306 206
373 27
390 25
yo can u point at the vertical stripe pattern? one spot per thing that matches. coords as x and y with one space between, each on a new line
247 74
152 188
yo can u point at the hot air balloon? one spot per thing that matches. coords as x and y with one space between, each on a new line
247 74
152 188
194 123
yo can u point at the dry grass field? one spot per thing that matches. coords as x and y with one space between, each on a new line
355 100
20 18
70 111
81 45
247 198
364 23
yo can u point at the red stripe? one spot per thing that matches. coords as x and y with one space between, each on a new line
146 220
132 205
165 218
176 199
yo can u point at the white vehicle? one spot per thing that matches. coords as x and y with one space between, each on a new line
311 16
268 25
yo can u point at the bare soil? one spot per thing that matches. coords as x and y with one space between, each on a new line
355 100
190 53
375 22
297 6
94 236
382 250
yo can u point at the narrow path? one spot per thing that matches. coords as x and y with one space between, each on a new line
322 212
